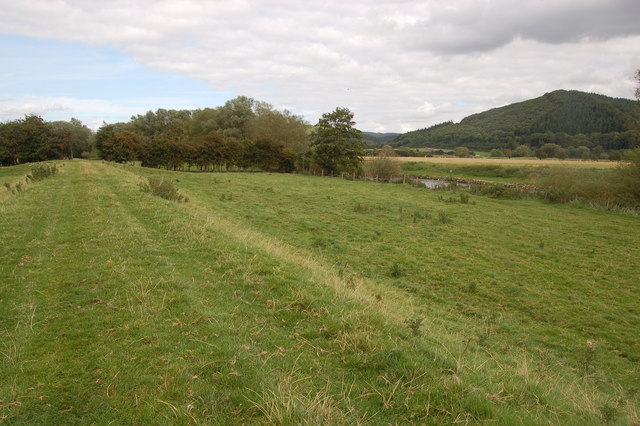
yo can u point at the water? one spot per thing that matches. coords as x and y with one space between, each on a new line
439 183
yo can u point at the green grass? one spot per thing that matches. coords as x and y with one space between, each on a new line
288 299
502 173
494 173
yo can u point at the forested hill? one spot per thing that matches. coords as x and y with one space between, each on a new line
373 138
567 118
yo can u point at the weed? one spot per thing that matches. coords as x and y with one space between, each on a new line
471 288
417 216
164 189
19 187
8 186
464 198
395 270
414 325
361 208
443 217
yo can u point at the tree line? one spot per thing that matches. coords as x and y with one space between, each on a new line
449 136
32 139
243 133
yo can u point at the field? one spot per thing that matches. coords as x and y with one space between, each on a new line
509 161
505 170
286 299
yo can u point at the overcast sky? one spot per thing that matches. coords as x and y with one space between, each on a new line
398 65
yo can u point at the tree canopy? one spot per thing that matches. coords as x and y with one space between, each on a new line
565 118
32 139
337 145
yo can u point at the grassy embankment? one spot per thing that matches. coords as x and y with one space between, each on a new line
291 299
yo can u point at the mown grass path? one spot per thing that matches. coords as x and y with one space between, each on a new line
273 304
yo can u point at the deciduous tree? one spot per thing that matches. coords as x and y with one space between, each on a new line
337 145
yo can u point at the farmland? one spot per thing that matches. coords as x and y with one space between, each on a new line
505 170
275 298
510 161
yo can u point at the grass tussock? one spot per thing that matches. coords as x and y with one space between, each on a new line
291 401
163 189
42 171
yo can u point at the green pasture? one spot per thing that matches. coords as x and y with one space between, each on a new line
287 299
501 171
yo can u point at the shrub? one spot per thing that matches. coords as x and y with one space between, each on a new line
462 151
42 171
383 168
522 151
163 189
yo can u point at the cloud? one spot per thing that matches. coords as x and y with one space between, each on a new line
21 109
477 26
397 65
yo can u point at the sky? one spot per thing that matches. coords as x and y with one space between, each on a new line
397 65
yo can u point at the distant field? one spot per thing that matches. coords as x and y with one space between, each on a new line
515 170
288 299
509 161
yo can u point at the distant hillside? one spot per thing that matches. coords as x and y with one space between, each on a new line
566 118
379 138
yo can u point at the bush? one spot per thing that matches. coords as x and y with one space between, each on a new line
42 171
383 168
462 151
163 189
522 151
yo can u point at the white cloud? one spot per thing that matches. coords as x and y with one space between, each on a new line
397 65
92 112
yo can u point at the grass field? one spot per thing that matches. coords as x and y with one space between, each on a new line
284 299
510 161
514 170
